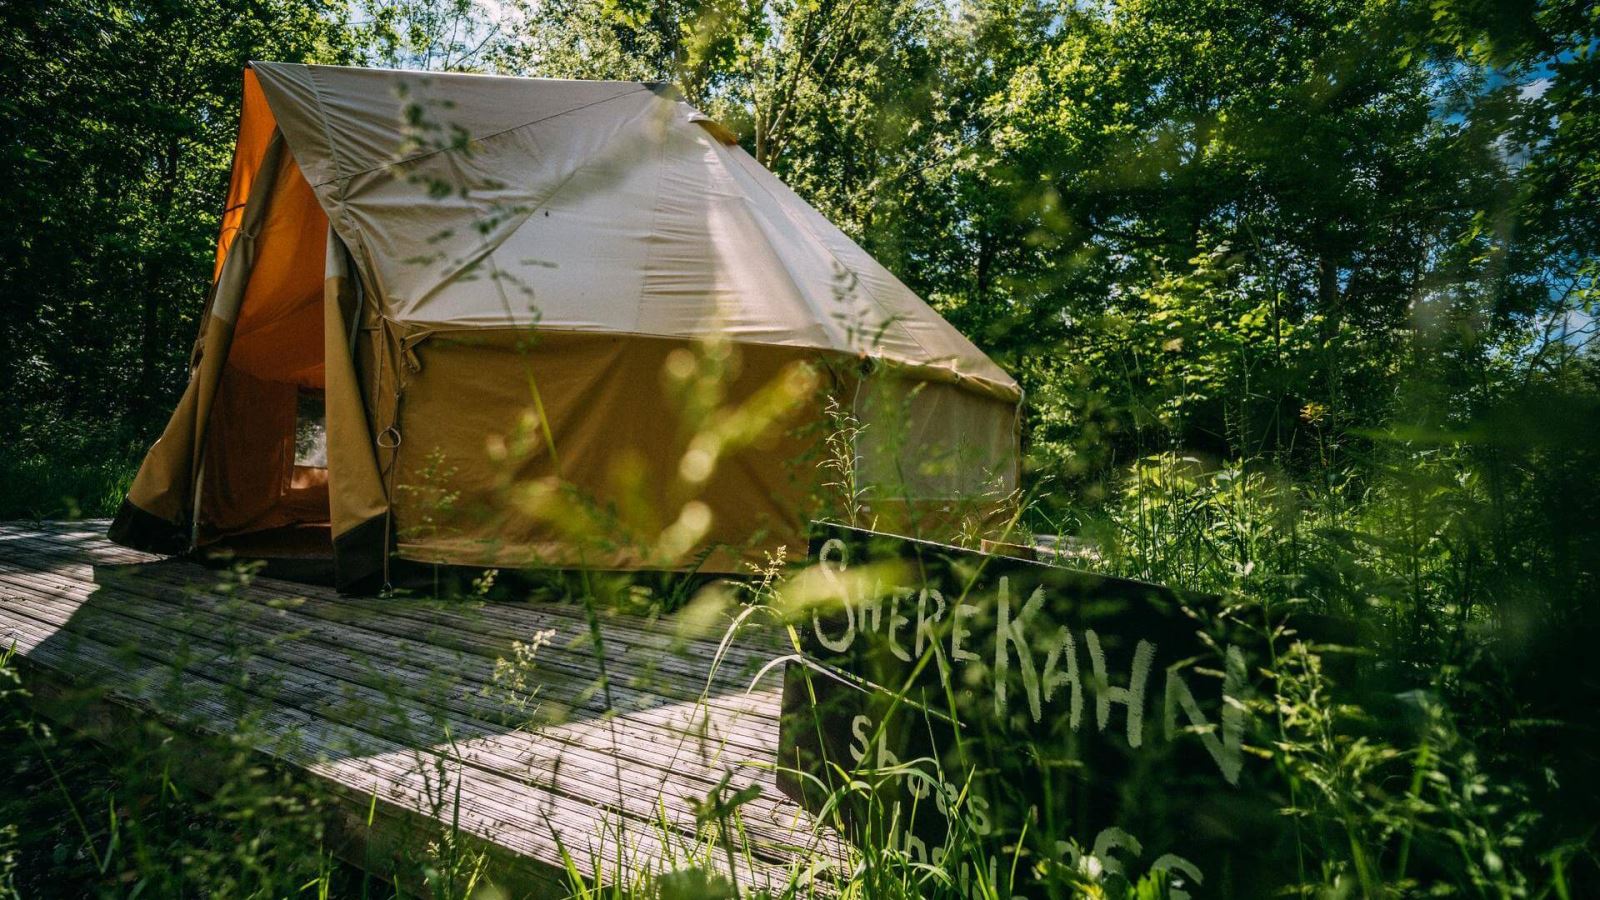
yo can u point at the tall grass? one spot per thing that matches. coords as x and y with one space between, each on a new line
1413 761
1412 755
1445 748
65 469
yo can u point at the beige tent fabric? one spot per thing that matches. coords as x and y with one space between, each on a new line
469 481
164 490
589 206
356 487
164 485
529 263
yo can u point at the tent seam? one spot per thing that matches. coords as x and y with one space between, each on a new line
999 390
356 247
873 295
536 203
754 214
327 135
960 376
477 140
655 231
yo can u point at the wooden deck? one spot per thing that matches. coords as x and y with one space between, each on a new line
416 714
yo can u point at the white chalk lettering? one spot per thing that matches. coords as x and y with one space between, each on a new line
859 725
1064 649
1226 752
884 613
1114 839
978 808
841 643
1010 631
925 622
895 621
919 784
831 560
833 557
916 848
871 609
964 876
886 757
943 796
959 632
1172 862
858 730
1131 696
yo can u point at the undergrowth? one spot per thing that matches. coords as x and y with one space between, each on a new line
1430 755
65 469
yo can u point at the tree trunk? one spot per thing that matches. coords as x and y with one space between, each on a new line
1329 304
150 341
985 264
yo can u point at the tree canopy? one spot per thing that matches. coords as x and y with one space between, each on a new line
1302 293
1183 224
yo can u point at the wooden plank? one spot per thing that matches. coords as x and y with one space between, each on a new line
644 632
362 830
675 671
660 676
315 680
485 750
572 675
396 699
522 818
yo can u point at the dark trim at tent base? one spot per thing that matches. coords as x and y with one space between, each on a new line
358 557
141 530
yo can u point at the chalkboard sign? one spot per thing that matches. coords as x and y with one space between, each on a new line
1030 726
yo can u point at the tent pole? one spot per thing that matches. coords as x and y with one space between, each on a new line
361 296
194 514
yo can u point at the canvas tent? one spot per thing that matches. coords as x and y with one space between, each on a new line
455 316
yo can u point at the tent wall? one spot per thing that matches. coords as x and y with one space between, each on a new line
358 505
934 441
278 334
471 481
257 128
276 331
251 480
494 360
468 474
159 512
607 207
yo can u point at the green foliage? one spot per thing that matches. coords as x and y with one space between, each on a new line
120 119
63 469
1436 746
1302 295
438 35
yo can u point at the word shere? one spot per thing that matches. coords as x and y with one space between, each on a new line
913 621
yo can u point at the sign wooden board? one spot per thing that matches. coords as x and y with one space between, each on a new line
1046 726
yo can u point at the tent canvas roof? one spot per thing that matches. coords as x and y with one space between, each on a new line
490 202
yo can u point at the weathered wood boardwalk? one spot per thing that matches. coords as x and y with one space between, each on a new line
421 716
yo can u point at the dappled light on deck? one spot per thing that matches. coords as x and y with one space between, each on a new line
491 718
